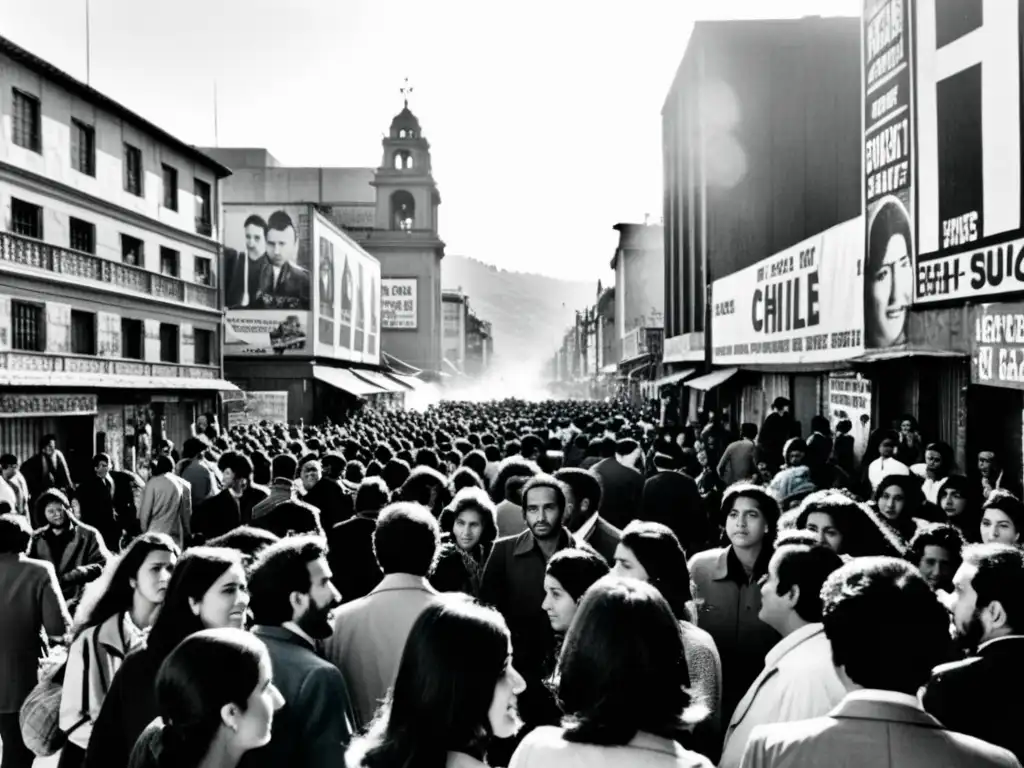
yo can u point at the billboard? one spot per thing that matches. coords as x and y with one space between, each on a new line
849 398
802 305
267 279
347 299
398 303
259 406
887 56
967 98
997 345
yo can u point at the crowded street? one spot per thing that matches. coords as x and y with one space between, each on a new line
690 436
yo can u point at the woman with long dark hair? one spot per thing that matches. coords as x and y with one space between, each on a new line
888 275
455 690
846 527
216 699
469 527
112 616
208 590
621 682
899 502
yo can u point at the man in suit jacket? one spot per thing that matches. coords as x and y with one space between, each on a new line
987 610
166 503
30 602
370 633
582 517
328 496
198 473
621 486
107 502
671 498
350 543
292 599
47 469
887 630
282 282
75 550
233 506
737 462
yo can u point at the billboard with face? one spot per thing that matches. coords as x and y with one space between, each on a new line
267 279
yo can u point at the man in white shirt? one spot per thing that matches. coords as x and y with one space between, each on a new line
799 680
886 464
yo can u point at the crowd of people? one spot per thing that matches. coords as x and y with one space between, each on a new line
513 583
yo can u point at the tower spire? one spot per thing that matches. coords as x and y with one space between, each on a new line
406 91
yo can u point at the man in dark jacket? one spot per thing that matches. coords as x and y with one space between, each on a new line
47 469
329 496
350 543
776 430
621 486
582 516
988 611
292 599
671 498
283 512
30 602
231 507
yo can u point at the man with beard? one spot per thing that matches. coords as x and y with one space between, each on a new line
292 600
988 616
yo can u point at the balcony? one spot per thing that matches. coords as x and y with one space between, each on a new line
44 369
87 268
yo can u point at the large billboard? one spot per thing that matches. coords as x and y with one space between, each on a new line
967 106
802 305
347 299
887 56
268 267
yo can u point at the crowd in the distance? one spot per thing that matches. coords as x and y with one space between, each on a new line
560 583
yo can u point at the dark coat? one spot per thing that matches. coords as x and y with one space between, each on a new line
604 537
290 291
621 491
334 504
453 574
30 601
313 728
962 694
128 707
56 476
220 513
350 555
82 561
111 515
672 499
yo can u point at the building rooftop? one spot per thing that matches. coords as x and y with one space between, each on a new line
87 92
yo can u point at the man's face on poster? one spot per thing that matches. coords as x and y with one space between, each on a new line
255 241
281 246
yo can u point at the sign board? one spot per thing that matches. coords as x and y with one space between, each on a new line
398 303
849 398
997 345
35 404
802 305
887 56
260 406
966 67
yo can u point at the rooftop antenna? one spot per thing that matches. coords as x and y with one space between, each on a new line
216 134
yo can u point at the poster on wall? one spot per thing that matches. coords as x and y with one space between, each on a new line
260 406
967 94
347 300
325 286
801 305
888 285
398 303
374 332
849 399
267 266
997 345
360 341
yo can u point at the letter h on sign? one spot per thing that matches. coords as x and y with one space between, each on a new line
947 48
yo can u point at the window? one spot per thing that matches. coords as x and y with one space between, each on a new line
168 262
83 148
25 122
132 251
204 347
83 332
131 338
170 188
28 327
83 236
168 343
204 271
26 219
204 219
133 170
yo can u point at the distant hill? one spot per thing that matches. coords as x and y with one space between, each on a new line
528 312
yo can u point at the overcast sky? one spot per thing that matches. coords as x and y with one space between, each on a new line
544 116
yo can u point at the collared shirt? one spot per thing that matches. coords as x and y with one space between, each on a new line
987 643
888 697
291 626
798 682
584 530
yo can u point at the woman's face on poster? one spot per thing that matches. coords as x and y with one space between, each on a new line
892 291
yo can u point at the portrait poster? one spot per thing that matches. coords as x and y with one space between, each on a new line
888 285
849 399
325 285
267 279
347 300
360 323
374 332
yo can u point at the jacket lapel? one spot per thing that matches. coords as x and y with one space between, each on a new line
887 711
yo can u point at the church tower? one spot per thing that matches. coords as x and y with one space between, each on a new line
405 240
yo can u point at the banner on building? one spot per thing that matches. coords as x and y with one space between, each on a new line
849 399
967 93
801 305
997 345
261 406
398 303
888 285
267 280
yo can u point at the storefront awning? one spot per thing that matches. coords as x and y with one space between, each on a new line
111 381
711 380
345 380
400 365
674 378
410 381
902 351
380 380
